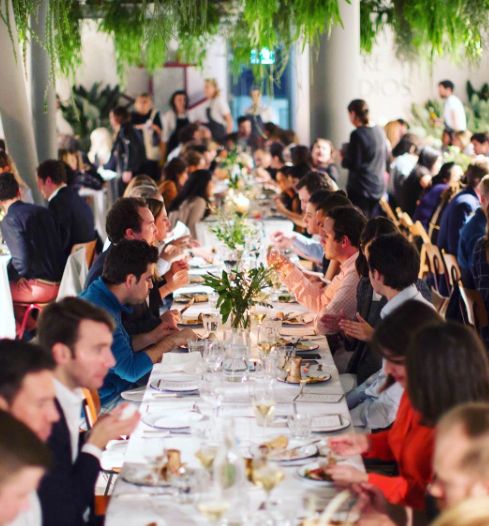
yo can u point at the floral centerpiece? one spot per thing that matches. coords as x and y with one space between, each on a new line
233 231
238 292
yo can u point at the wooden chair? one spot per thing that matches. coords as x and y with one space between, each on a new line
89 251
91 409
453 274
436 272
386 208
420 236
475 308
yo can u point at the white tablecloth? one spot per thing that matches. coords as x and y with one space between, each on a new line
7 320
134 506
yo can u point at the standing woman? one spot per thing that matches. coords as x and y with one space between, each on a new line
174 120
192 204
217 113
365 157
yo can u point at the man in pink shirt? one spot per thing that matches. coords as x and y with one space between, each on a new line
340 229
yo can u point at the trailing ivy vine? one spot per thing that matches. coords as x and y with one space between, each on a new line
144 30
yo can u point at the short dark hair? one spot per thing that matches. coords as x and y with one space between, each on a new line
121 114
9 187
174 168
53 169
480 137
186 134
300 154
477 169
193 158
17 360
409 143
174 95
396 259
348 222
277 150
60 321
446 365
314 181
298 171
334 200
124 214
128 257
375 227
19 448
318 197
447 84
360 108
244 118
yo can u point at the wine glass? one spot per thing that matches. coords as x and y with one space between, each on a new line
206 455
266 340
212 504
266 475
263 400
211 391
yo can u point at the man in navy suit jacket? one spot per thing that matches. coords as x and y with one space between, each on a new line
74 216
79 336
32 237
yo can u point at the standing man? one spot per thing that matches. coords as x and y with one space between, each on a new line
454 118
79 336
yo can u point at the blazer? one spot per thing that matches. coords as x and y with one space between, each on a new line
33 239
74 216
68 489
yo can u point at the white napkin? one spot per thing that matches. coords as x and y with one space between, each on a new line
179 363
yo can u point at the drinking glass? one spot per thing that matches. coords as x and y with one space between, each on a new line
212 504
197 346
266 475
263 400
299 426
266 340
211 391
213 356
211 323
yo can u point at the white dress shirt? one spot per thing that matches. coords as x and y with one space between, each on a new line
71 404
454 114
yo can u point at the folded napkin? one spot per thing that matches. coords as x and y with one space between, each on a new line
189 363
299 317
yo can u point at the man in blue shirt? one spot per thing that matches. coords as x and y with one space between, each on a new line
126 280
462 206
474 229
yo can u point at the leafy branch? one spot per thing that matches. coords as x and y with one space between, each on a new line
233 232
238 292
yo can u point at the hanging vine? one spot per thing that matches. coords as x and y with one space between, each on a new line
143 31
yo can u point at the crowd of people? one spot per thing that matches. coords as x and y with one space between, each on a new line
416 383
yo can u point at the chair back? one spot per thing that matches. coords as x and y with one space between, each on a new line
475 308
453 274
436 267
386 208
89 251
91 406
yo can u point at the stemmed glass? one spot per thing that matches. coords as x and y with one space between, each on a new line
211 391
213 356
266 475
266 340
212 504
263 400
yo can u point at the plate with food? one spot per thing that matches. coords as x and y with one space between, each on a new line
286 297
172 421
306 346
142 475
198 297
191 320
281 450
315 473
294 318
310 374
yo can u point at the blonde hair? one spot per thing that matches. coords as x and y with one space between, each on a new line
470 512
215 85
137 182
393 132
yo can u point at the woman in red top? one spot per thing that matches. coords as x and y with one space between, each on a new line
442 365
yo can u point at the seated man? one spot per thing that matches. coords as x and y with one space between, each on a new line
74 216
27 393
32 237
23 461
462 206
126 280
394 266
79 336
340 237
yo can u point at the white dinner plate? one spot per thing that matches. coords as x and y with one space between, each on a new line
140 475
134 395
172 420
176 383
328 423
298 453
302 473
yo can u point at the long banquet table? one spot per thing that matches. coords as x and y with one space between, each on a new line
140 506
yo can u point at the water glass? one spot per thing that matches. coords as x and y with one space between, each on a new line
211 322
263 400
300 426
213 356
197 346
212 297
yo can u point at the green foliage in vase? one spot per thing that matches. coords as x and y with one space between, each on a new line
424 117
88 109
232 231
238 292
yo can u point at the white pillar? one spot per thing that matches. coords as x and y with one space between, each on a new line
334 77
43 98
14 107
300 98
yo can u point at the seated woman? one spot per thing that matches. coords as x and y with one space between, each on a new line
444 365
288 195
419 180
322 158
448 179
192 204
175 175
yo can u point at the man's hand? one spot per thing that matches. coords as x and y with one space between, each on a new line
345 475
360 329
111 427
171 251
178 280
179 264
170 319
281 240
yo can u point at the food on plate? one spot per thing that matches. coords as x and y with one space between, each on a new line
277 444
199 297
196 279
318 473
